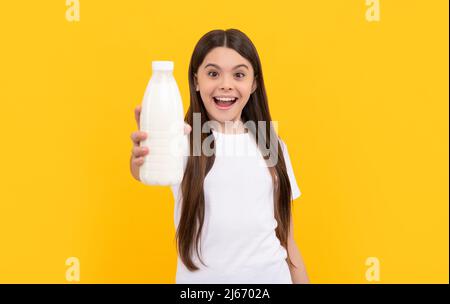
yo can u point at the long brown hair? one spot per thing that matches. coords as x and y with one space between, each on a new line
189 230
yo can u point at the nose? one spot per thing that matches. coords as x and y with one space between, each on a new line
226 84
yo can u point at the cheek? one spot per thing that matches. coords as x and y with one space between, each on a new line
243 102
206 98
206 91
245 88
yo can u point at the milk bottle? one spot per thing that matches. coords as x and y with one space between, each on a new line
162 118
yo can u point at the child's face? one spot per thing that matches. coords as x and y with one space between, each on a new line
225 79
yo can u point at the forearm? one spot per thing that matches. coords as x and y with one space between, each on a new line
298 273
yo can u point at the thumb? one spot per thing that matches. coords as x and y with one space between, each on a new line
137 115
187 128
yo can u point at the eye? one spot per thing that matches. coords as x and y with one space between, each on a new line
209 73
243 75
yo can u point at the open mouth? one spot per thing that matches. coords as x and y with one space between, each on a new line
224 103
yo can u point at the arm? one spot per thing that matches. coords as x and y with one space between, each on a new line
298 275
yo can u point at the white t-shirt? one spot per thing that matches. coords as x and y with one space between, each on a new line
238 242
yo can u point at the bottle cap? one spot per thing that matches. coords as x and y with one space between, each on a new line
162 65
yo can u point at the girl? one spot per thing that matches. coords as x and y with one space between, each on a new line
233 216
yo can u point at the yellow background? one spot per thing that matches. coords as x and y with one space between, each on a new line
363 107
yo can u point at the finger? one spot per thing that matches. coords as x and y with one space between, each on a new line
138 136
137 115
139 151
138 161
187 128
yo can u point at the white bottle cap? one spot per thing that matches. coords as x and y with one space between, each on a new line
162 65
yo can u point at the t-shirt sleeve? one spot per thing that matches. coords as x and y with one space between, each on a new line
290 171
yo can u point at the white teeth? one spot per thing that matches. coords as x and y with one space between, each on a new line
225 99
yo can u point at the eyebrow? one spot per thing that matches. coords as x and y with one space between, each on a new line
215 65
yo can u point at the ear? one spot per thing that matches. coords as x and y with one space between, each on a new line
254 86
196 82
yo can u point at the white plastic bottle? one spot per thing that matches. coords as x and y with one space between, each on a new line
162 118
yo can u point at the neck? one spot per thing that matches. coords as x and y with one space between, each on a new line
232 127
